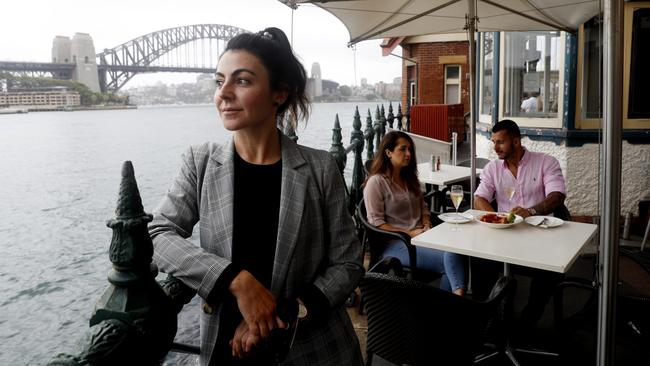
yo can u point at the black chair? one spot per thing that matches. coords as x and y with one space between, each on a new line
410 322
374 240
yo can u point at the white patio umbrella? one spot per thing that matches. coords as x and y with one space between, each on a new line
369 19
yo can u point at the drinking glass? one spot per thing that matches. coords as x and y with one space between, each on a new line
509 192
456 199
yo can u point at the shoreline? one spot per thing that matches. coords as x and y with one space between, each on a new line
28 108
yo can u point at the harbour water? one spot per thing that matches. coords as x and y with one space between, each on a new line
60 174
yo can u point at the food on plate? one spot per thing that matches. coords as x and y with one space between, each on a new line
494 218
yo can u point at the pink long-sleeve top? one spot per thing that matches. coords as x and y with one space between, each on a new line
388 203
538 175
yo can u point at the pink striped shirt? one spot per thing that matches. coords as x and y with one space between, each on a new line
537 176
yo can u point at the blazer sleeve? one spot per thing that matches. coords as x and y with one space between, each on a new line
173 221
343 268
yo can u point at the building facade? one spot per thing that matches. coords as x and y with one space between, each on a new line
434 70
51 97
550 84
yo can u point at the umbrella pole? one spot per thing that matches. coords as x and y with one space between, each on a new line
610 178
471 32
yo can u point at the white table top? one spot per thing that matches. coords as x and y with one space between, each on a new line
447 174
553 249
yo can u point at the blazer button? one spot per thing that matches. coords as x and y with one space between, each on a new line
207 308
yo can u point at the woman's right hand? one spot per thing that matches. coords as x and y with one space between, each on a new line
256 304
416 232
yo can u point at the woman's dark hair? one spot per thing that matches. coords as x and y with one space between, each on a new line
286 73
381 163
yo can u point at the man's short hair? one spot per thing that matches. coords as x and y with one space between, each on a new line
508 125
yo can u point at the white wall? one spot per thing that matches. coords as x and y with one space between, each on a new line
581 167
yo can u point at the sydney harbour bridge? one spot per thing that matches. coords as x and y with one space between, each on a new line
188 49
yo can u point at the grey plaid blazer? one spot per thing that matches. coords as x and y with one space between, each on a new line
316 242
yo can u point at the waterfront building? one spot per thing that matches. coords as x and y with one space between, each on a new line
562 72
317 80
54 97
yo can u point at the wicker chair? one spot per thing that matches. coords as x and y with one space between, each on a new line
410 322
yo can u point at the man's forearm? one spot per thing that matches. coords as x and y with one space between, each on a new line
551 203
481 203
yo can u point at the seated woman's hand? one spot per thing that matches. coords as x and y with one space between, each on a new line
416 232
256 304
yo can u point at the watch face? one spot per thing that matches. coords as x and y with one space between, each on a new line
302 311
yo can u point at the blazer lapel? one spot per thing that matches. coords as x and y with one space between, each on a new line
292 203
221 206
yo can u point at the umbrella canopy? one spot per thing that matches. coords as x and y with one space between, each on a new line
368 19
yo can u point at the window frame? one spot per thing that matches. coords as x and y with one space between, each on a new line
449 81
487 118
544 122
630 123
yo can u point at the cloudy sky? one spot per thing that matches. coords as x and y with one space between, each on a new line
28 27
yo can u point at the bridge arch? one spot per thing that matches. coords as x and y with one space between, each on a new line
118 65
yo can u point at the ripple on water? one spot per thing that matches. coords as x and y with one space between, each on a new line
42 288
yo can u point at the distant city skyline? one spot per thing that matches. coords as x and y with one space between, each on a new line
29 28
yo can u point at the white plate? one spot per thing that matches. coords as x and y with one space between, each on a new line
518 219
550 221
454 218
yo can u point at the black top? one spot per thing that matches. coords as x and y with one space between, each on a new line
256 210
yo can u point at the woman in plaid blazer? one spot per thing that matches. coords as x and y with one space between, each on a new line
272 217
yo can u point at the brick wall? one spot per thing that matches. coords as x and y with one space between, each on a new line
430 81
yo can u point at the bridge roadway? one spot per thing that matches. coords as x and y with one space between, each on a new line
63 71
66 69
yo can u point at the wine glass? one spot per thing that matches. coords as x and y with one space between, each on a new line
509 191
456 199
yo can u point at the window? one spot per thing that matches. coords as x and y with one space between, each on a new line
532 78
638 106
593 61
412 91
452 84
486 74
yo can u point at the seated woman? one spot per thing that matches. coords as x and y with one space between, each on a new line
394 202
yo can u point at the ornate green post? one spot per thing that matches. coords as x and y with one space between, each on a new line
337 150
390 116
134 321
382 121
399 117
356 137
377 127
369 134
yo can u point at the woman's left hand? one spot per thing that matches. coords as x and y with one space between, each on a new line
243 341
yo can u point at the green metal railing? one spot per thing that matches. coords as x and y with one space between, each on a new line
369 138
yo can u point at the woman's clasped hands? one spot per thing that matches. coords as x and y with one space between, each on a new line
258 308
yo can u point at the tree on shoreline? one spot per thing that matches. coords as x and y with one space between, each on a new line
86 95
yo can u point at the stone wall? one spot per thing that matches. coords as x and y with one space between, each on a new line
582 168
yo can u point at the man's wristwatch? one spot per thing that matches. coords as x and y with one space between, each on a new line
532 211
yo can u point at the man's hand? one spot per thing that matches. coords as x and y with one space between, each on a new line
256 304
523 212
